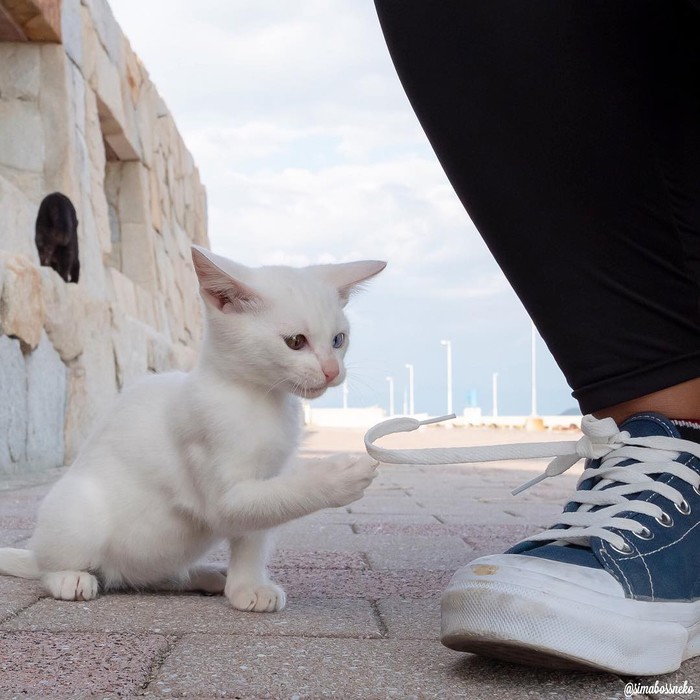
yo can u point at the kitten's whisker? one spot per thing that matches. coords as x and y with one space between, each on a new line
276 384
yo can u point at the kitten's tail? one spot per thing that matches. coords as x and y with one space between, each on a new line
18 562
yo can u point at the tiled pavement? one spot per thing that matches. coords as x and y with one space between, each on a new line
362 619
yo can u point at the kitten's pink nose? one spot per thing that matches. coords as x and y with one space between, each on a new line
330 371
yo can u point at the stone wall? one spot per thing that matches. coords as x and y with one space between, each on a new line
79 115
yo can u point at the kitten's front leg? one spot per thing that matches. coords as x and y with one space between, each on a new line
261 504
257 505
248 586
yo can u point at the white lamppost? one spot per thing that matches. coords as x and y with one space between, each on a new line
494 391
411 405
391 395
448 345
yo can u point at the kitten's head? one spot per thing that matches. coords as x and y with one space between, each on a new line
278 327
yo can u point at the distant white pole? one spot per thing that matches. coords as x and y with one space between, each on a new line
411 405
533 409
494 388
448 345
405 402
345 395
391 395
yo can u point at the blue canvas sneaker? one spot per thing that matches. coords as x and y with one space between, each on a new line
614 585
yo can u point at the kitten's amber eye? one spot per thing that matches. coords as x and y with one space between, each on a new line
296 342
339 340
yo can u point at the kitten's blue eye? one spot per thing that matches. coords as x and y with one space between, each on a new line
339 340
296 342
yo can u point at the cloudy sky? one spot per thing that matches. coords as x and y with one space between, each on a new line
311 153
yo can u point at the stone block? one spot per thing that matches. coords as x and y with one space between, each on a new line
56 105
122 292
64 312
145 306
40 20
78 98
71 24
134 201
19 78
92 381
161 355
92 269
21 302
22 136
154 201
107 29
130 340
17 218
161 314
46 400
134 74
13 407
175 311
105 82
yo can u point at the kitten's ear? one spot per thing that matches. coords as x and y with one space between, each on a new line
349 278
220 289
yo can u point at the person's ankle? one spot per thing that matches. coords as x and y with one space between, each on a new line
678 402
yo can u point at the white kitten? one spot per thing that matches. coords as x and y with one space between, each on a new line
186 460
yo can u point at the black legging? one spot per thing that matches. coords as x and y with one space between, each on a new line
570 130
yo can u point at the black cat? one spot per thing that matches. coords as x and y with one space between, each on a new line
57 236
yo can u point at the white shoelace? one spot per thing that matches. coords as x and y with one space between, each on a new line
602 440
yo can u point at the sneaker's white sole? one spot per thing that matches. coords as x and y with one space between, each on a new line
545 613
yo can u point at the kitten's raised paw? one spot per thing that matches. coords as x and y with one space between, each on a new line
341 478
266 597
71 585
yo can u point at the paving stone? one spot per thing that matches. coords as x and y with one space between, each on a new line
372 585
496 537
414 552
406 618
186 614
338 537
678 683
11 538
322 541
46 664
301 559
249 667
17 594
386 504
354 519
480 513
427 529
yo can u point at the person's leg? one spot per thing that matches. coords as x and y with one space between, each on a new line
570 129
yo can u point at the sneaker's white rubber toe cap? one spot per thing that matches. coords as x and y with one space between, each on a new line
550 613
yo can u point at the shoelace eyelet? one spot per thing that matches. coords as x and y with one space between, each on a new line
683 508
697 489
645 534
665 520
625 549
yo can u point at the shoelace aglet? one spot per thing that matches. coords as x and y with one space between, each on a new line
528 484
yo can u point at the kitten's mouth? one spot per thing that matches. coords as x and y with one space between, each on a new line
311 393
